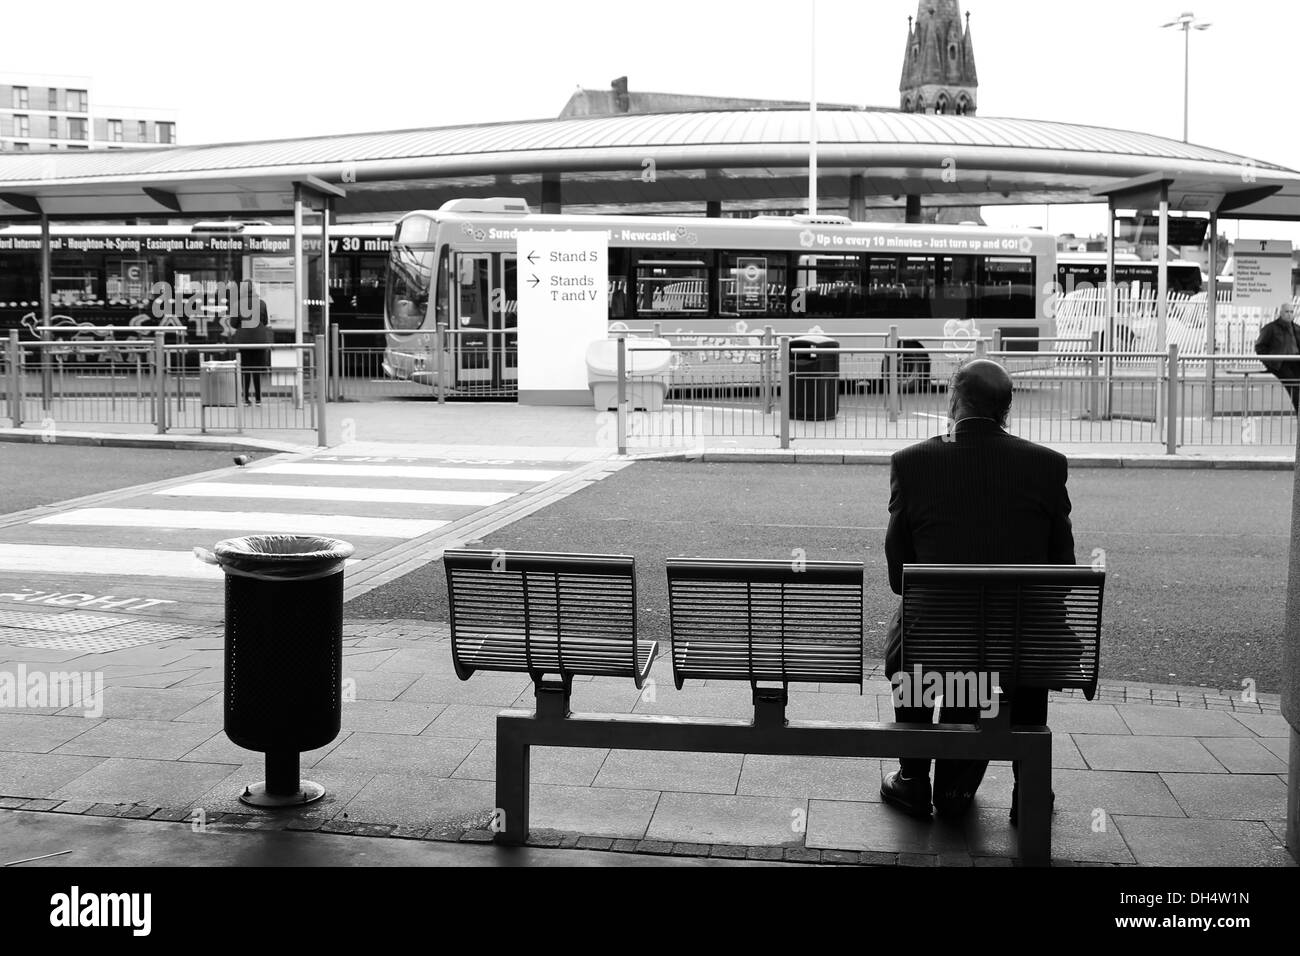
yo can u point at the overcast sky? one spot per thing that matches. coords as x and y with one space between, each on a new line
245 70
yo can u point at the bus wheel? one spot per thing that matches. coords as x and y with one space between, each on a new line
913 371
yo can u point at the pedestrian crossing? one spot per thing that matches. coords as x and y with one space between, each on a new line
136 554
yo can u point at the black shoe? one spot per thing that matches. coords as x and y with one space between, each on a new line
912 796
1015 805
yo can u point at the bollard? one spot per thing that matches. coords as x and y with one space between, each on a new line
336 375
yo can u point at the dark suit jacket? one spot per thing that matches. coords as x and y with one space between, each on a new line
1279 338
985 497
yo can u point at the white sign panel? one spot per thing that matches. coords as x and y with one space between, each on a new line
1261 276
563 308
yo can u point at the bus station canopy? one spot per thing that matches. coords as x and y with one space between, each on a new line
656 163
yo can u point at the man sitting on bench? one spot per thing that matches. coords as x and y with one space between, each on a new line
974 496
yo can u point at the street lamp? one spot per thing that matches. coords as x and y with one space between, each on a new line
1188 22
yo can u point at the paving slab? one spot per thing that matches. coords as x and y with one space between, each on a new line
157 739
1114 792
844 825
159 783
31 733
1156 754
389 716
149 703
1265 725
377 685
828 778
220 749
561 766
390 798
1239 796
1150 720
834 707
719 818
1079 835
665 770
1243 755
498 690
1160 841
699 701
615 814
39 775
1093 718
412 756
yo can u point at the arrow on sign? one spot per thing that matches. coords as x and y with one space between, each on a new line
532 258
533 281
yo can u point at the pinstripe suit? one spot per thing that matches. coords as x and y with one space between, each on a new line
983 497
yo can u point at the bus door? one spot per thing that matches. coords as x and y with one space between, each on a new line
471 356
485 348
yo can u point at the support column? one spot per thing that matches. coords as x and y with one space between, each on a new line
299 292
858 197
1109 344
913 211
327 209
47 314
713 209
1212 315
552 194
1162 264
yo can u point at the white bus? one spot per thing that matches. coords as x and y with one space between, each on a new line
942 286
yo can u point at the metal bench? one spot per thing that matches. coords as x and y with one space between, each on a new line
767 623
1006 627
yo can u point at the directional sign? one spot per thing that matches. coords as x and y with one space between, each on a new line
751 285
563 307
1261 275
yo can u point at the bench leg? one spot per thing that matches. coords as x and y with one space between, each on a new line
511 816
1035 823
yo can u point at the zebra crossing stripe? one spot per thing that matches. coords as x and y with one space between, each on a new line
534 475
412 496
265 522
119 562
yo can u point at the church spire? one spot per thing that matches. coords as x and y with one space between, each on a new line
939 62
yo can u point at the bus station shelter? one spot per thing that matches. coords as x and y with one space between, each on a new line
671 163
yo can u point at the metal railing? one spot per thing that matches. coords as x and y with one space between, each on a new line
167 386
443 364
1163 400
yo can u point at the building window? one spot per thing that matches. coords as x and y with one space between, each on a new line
54 100
115 130
54 127
20 97
952 51
22 147
78 101
166 132
78 147
22 126
142 132
941 105
963 106
77 129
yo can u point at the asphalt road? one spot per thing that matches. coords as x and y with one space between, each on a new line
41 474
1197 559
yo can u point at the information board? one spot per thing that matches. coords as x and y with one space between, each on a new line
1261 273
563 307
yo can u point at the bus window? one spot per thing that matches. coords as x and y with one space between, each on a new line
916 276
672 285
955 285
409 274
1006 288
831 286
762 284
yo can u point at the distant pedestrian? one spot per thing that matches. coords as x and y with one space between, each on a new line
1280 337
254 363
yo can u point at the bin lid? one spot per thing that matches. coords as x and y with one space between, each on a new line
813 341
282 557
602 356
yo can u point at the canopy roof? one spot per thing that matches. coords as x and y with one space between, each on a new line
668 162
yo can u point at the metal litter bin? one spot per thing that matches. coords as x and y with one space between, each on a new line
814 379
284 654
218 384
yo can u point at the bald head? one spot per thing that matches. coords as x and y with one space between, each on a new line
980 389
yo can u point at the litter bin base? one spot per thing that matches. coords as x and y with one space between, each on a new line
256 795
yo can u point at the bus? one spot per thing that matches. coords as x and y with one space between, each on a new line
181 275
718 283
